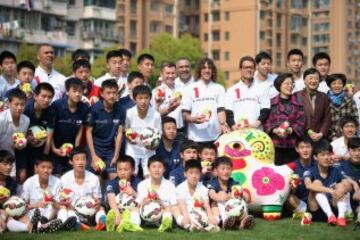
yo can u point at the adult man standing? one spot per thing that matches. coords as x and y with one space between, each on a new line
46 73
183 68
247 102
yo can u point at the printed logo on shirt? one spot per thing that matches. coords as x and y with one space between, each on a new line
116 121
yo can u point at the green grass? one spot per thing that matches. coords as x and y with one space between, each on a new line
283 229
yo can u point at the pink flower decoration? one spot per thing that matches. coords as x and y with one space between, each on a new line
266 181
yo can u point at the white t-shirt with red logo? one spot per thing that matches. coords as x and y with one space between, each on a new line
200 98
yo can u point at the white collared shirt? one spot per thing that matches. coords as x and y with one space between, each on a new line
299 84
183 193
133 121
339 147
7 129
246 102
56 79
121 81
33 192
181 84
169 97
323 87
5 86
198 97
269 81
166 191
90 186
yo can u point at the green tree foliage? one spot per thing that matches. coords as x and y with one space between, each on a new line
27 52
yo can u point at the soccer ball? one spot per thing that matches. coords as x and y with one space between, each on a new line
199 217
15 206
124 201
235 208
4 193
150 137
20 139
66 194
151 212
85 206
67 148
39 133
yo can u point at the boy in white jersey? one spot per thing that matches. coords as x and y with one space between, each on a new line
167 97
163 189
247 102
82 183
203 104
137 118
192 194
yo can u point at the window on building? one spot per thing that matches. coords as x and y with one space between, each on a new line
227 16
278 59
216 55
262 14
278 39
188 2
304 41
279 3
169 28
155 26
71 28
216 16
226 56
294 39
278 20
133 29
226 75
262 35
321 3
296 22
227 36
216 35
154 6
206 17
169 8
206 37
133 6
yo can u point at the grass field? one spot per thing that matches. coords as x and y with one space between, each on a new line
283 229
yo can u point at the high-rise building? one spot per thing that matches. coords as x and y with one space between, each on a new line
65 24
230 29
139 21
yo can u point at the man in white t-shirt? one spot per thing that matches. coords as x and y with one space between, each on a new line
8 79
295 61
114 65
183 68
263 75
46 73
203 105
349 126
322 61
167 97
139 117
247 102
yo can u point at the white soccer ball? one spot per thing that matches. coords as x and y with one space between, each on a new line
199 217
124 201
15 206
85 206
39 133
236 208
151 212
150 137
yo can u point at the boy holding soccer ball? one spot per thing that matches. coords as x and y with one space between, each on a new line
40 133
85 201
121 194
69 115
193 201
141 122
156 197
220 192
13 127
105 129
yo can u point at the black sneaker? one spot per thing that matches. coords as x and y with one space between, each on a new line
52 226
69 224
247 222
35 221
229 223
44 220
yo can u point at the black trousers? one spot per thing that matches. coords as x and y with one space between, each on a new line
285 155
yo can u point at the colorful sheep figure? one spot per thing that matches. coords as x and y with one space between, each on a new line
252 153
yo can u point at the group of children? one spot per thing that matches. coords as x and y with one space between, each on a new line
102 120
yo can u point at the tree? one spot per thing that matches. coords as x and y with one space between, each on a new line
27 52
165 47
